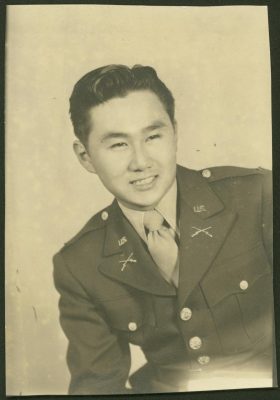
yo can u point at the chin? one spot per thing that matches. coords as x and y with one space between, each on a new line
148 204
139 205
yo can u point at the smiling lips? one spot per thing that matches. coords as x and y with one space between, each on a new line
144 183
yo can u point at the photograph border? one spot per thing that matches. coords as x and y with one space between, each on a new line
274 35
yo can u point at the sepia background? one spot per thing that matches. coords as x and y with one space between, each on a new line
215 60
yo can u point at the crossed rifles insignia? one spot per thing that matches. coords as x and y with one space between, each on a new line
202 230
129 259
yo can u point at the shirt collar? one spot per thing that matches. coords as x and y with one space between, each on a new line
167 208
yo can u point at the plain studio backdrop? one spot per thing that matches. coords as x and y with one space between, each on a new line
216 62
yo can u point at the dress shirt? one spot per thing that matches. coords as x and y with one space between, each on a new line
167 207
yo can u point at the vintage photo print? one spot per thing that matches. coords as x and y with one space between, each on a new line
138 200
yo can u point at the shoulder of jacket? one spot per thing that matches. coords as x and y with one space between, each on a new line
213 174
95 223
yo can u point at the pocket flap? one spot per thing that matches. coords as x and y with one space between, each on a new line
124 314
235 275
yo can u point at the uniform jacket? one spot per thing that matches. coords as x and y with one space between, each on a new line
221 310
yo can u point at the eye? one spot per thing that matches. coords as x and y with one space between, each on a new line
153 137
118 146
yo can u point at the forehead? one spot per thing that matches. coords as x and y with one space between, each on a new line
133 111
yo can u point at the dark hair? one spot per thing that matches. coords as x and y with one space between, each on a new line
105 83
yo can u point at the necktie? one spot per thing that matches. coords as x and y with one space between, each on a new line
162 246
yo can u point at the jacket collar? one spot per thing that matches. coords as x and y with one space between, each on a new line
195 191
114 231
204 226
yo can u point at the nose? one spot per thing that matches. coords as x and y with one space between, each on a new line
140 159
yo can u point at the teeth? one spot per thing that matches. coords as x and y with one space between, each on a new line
144 181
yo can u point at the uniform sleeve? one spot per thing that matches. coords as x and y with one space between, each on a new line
98 360
267 214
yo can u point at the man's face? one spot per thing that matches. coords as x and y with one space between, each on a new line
132 148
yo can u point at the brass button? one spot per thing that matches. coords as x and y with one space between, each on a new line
132 326
206 173
243 285
104 215
203 360
195 343
185 314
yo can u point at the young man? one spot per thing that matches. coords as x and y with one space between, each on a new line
179 263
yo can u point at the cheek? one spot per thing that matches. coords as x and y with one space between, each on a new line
110 164
166 152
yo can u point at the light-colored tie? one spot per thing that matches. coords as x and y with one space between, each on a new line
162 246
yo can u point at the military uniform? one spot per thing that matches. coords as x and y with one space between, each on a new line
219 318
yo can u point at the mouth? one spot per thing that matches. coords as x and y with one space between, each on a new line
144 183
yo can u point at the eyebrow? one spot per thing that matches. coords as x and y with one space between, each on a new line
112 135
153 126
121 135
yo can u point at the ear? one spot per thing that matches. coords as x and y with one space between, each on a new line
83 156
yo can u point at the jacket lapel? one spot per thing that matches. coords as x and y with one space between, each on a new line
126 259
204 225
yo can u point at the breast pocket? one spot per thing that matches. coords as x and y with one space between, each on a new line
130 318
239 294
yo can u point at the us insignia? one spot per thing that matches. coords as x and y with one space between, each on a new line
122 241
199 208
